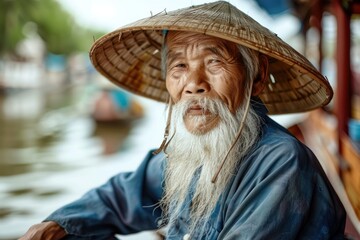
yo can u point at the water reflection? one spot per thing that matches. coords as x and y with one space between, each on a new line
51 152
112 140
30 142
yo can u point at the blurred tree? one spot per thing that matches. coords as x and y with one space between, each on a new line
55 26
13 15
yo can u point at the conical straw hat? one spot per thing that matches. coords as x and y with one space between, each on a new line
130 56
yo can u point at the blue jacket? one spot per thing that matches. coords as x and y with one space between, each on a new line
279 192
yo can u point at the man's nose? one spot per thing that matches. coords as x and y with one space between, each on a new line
197 83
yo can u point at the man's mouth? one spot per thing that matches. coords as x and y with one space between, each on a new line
197 110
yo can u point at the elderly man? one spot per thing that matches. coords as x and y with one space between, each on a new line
225 170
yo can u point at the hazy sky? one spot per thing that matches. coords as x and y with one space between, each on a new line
108 15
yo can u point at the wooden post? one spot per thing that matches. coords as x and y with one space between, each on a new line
343 89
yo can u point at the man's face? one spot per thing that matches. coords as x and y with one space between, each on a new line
201 66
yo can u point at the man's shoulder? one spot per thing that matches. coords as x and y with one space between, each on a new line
276 146
276 137
155 158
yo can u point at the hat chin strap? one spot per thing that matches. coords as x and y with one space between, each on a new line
214 178
165 143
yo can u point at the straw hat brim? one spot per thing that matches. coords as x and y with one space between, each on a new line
130 57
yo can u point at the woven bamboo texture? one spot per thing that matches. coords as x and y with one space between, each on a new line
130 57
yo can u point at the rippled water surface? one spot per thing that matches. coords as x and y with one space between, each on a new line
51 151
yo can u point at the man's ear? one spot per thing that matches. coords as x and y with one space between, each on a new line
262 77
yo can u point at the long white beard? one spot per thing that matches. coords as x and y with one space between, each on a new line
188 152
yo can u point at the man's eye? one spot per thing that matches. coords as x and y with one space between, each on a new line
214 60
180 65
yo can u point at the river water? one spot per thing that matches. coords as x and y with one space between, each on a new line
52 152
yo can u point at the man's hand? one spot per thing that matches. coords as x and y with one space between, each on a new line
44 231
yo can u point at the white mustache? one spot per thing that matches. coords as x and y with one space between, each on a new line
206 104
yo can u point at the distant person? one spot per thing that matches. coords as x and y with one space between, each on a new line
225 170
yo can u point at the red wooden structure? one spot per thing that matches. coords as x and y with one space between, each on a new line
342 162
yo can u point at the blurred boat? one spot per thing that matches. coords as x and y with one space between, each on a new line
115 105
